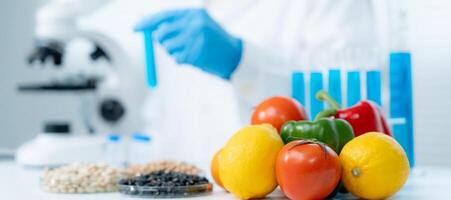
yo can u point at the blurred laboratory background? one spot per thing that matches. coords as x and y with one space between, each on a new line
21 117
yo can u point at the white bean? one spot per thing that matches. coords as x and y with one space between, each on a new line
81 178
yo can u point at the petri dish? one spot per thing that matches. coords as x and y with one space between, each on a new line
166 191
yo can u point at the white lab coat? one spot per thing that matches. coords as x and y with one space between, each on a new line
276 36
283 36
192 114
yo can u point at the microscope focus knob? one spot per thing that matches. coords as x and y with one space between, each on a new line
111 110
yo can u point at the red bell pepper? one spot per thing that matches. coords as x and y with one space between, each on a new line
364 117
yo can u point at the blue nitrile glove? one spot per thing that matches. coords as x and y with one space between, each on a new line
191 36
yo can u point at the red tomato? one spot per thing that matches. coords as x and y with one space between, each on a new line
307 170
278 110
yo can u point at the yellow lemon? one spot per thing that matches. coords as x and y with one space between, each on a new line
374 166
247 164
214 167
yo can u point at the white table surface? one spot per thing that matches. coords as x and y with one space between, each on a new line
18 183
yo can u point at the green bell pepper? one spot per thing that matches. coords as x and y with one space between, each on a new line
333 132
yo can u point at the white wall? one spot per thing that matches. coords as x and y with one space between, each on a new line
21 117
431 43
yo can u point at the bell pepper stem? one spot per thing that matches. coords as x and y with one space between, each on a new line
324 96
326 113
334 106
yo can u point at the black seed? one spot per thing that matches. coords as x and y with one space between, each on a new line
142 177
123 182
165 179
140 183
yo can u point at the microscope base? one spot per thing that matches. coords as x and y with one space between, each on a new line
56 150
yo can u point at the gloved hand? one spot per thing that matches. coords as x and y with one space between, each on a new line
191 36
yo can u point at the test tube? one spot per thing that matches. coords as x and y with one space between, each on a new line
353 86
150 60
373 86
401 105
335 85
316 84
140 149
298 87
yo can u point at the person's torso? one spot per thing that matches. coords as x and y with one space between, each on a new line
199 112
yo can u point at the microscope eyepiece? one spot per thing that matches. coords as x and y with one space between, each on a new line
99 53
45 51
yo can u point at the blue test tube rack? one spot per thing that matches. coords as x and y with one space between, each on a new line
400 90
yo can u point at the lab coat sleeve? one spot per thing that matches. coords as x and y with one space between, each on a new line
259 69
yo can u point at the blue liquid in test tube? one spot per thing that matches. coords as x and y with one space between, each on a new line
316 84
150 60
335 85
298 87
373 86
353 86
401 100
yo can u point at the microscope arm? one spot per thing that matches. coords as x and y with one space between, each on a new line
88 6
57 20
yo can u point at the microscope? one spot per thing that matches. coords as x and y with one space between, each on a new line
110 102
